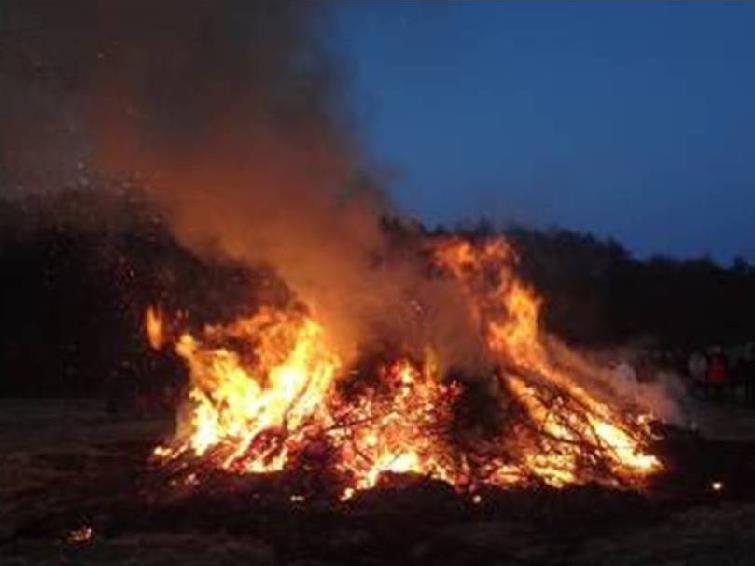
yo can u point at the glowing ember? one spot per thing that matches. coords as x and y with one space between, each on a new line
153 323
82 535
269 392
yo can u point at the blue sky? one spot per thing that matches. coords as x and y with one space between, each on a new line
630 120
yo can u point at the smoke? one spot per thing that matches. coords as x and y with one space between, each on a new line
665 397
43 141
236 117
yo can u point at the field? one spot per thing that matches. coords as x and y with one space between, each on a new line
68 466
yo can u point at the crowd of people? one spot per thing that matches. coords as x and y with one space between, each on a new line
723 372
714 373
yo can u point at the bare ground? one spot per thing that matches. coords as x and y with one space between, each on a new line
67 466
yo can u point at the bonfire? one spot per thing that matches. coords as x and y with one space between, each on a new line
268 392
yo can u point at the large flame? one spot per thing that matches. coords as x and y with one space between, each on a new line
269 392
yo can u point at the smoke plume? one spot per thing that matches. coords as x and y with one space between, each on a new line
235 115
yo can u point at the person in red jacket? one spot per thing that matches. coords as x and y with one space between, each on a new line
718 372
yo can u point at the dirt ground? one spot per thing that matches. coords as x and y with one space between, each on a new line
75 489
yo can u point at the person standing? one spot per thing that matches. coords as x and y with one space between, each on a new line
718 372
697 366
628 376
748 373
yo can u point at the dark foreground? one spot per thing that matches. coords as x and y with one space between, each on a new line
75 489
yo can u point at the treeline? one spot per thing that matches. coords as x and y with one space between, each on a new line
598 294
78 270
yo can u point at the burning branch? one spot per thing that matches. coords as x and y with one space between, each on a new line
287 404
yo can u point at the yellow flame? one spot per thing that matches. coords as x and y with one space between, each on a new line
235 401
263 387
577 427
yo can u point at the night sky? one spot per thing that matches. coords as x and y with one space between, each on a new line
635 121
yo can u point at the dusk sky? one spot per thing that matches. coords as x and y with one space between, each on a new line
635 121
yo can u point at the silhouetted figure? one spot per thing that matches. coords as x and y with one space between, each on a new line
718 372
747 373
697 366
628 377
645 369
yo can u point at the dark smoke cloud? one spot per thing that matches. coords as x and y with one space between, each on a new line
236 115
43 141
170 78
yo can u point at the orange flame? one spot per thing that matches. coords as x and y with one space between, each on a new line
268 392
153 325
